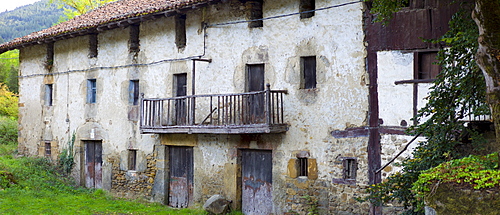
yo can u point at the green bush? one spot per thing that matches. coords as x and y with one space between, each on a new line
8 131
477 172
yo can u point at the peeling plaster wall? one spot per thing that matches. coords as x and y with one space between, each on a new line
335 36
396 103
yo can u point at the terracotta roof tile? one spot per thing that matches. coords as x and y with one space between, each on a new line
115 11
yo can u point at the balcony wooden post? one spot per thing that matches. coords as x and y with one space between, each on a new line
268 104
141 111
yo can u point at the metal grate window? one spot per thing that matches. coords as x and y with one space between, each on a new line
48 149
302 166
350 168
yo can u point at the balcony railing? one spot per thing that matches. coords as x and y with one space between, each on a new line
252 112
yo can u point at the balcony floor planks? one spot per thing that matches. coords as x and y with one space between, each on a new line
210 129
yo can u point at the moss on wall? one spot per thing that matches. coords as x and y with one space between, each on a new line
455 199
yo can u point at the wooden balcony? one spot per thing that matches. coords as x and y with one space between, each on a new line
242 113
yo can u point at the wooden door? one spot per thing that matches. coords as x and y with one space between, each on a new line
180 193
255 82
180 104
93 164
256 168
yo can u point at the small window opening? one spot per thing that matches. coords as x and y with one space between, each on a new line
48 149
180 31
133 91
256 14
48 94
426 65
49 61
91 91
307 8
93 45
308 71
134 38
302 165
350 168
132 159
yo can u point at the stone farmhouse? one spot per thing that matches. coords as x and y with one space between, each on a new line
269 103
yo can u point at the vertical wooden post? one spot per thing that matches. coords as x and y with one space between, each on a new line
193 93
268 104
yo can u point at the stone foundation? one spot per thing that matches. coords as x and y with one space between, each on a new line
133 184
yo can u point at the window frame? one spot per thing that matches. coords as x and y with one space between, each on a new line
308 77
47 149
91 91
256 13
180 31
134 40
307 5
134 92
49 95
430 74
350 168
93 44
132 159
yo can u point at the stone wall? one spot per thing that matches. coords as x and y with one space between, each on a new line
455 199
133 184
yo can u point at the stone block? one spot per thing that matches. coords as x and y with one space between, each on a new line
216 205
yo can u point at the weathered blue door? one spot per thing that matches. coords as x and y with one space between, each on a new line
180 193
256 168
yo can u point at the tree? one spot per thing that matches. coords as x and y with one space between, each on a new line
487 17
74 8
9 66
459 91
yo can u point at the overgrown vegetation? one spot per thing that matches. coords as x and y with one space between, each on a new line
9 66
475 172
34 186
458 93
66 158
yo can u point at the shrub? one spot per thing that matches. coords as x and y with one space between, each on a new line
8 102
8 131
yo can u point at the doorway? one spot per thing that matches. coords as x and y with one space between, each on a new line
93 164
180 193
256 175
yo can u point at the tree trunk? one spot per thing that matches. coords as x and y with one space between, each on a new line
487 17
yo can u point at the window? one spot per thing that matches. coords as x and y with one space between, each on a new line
48 149
133 91
92 45
48 94
134 38
91 91
255 7
308 72
302 166
350 168
307 5
180 31
425 65
132 159
49 61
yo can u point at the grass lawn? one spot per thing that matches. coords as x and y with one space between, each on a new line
34 186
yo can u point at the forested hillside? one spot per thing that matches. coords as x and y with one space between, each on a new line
27 19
